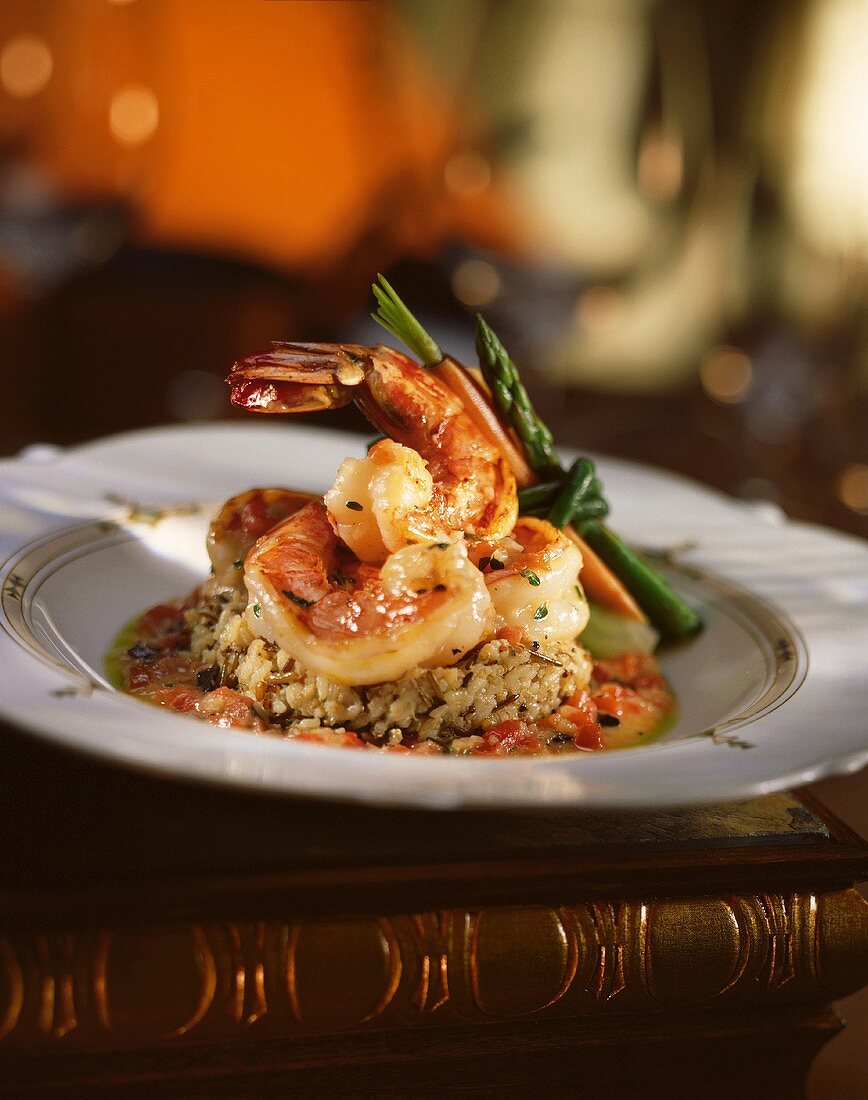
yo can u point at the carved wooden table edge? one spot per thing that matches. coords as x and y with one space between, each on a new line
336 979
819 852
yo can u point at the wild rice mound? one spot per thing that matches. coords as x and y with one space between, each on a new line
494 682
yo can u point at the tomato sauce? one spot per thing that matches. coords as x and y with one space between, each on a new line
626 701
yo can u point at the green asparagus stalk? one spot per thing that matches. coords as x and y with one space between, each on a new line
539 500
578 497
512 399
667 611
539 497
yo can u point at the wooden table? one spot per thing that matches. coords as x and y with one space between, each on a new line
157 937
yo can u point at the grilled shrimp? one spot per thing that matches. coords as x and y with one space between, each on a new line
358 623
241 521
463 483
383 502
532 578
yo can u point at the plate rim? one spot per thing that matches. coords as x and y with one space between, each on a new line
844 762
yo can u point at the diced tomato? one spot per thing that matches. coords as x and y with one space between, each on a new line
159 618
589 736
222 707
181 699
582 701
171 641
342 738
635 669
225 707
173 667
578 718
513 735
617 700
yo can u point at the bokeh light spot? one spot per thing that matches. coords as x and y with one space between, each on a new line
475 283
853 488
25 65
600 309
726 375
661 166
134 114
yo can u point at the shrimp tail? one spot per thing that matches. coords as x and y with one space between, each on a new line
474 489
295 378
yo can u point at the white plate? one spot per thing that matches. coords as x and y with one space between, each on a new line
774 692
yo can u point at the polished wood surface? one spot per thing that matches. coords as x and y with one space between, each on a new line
161 936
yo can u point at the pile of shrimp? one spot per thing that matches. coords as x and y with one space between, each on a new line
415 556
408 607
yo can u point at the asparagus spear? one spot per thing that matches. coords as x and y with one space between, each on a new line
673 617
511 398
578 498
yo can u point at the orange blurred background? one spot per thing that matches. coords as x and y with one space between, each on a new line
659 205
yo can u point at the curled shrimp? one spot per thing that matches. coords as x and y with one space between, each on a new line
357 623
383 502
241 521
471 487
532 578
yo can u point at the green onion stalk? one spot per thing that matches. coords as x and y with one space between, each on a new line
394 316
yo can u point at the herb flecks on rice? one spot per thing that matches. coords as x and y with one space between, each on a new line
495 682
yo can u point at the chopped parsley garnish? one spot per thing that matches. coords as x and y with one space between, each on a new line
531 577
257 611
300 600
541 612
354 506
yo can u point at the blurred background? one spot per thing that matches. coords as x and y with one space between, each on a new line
661 205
